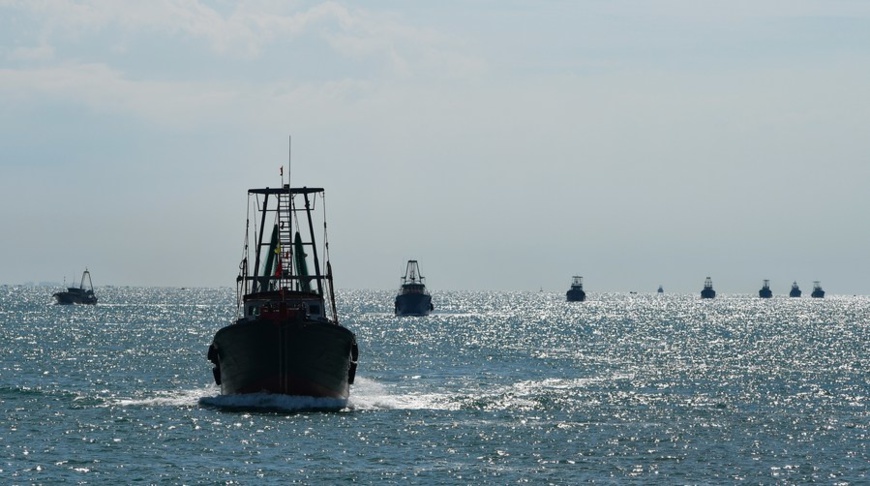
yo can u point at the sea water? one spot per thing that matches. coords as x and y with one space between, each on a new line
492 388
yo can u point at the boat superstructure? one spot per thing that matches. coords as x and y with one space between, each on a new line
286 338
413 298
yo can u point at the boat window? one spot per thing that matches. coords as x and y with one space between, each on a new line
314 309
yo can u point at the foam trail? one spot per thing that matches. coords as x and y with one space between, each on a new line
178 398
371 395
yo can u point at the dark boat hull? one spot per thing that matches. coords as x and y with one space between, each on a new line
575 295
708 294
413 304
765 293
69 298
293 357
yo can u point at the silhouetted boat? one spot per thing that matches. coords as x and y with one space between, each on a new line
660 290
795 290
765 292
818 293
286 338
78 295
413 298
707 292
576 293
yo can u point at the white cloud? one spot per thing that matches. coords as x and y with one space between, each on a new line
78 74
40 53
249 29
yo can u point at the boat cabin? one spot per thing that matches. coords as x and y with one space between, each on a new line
283 304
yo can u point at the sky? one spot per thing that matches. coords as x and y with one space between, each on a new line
505 145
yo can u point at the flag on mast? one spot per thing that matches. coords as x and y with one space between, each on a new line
279 268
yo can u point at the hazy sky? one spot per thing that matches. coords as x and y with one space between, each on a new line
506 145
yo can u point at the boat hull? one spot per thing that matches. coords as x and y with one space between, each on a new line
575 295
290 357
69 298
413 304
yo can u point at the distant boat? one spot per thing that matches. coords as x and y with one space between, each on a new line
413 298
795 290
286 338
660 290
78 295
765 292
708 292
576 293
818 293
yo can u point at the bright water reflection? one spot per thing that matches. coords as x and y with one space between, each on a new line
491 388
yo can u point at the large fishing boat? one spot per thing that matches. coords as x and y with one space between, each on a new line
286 338
765 292
576 293
795 290
707 292
78 295
413 298
818 293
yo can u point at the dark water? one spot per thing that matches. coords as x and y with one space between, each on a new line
494 388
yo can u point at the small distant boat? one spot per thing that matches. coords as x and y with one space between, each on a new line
818 293
413 298
765 292
795 290
286 338
576 293
78 295
660 290
708 292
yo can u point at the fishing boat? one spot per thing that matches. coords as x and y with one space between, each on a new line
78 295
765 292
795 290
413 298
661 290
286 338
576 293
818 293
707 292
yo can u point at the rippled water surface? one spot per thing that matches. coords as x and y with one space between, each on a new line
493 388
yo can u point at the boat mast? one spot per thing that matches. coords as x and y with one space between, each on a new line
313 246
258 285
90 282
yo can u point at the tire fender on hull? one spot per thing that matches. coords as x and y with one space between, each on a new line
354 356
215 359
